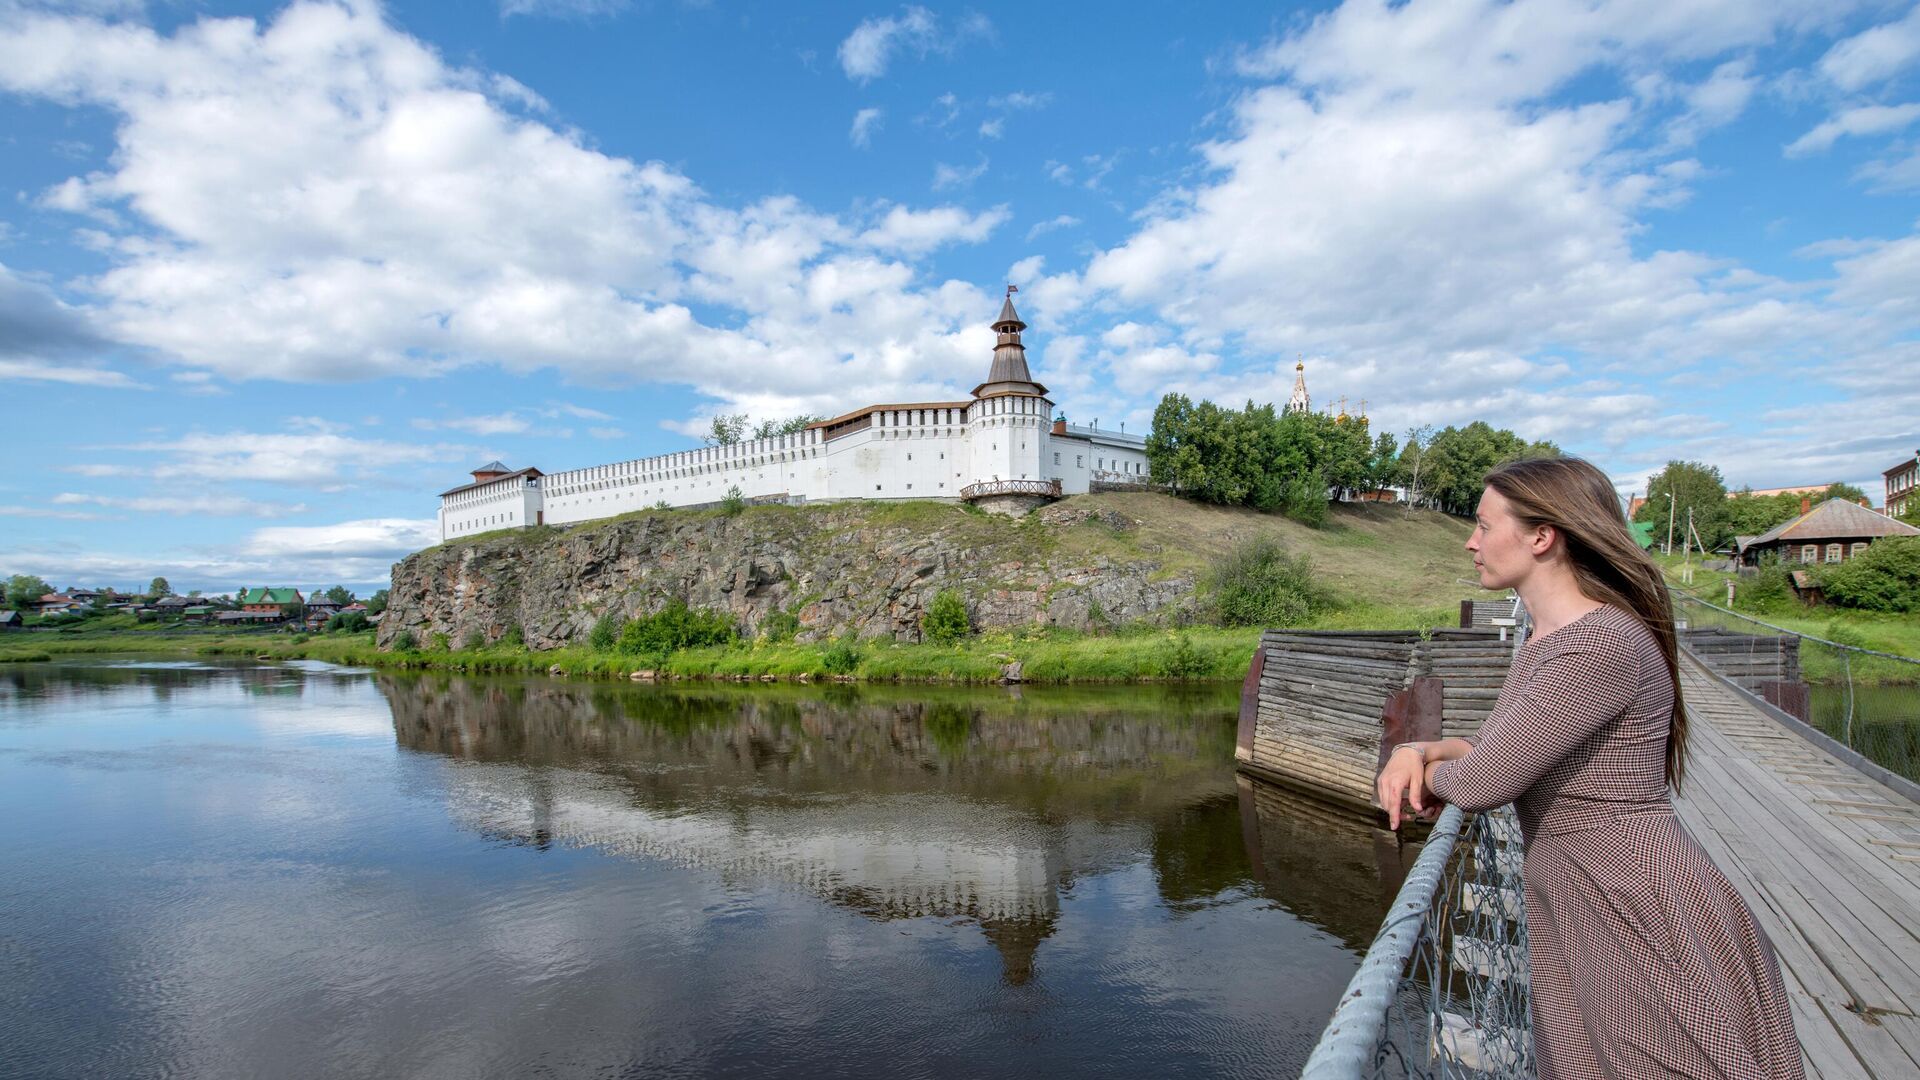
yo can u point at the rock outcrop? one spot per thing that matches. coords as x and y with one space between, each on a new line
868 569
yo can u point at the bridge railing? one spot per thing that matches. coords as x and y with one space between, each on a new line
1867 700
1047 488
1443 990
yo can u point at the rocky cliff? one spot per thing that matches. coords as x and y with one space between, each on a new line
870 569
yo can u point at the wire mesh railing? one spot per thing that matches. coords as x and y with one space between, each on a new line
1867 700
1443 990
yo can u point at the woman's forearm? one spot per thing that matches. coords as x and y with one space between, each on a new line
1441 750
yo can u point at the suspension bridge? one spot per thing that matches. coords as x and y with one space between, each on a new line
1811 810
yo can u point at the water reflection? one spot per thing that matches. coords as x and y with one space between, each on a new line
237 869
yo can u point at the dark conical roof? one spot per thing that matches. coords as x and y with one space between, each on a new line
1008 315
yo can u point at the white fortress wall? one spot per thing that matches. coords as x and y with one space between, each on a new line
920 450
510 502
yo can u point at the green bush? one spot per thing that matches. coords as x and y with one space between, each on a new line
1180 660
347 622
1259 584
841 658
606 632
734 501
780 625
513 636
475 640
442 642
404 642
945 620
676 627
1885 577
1768 590
1305 499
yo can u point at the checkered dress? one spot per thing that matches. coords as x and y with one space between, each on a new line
1646 963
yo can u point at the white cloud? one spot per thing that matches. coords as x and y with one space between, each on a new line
1021 99
1858 121
1874 55
952 176
506 423
607 432
865 122
870 48
353 553
1897 175
31 370
921 231
46 512
994 128
563 9
320 197
1059 221
208 505
323 461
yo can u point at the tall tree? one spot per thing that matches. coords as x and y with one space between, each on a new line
24 589
793 425
1844 490
1693 486
377 603
340 594
726 429
158 587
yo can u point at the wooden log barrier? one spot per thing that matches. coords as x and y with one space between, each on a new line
1320 708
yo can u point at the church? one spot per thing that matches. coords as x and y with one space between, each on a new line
1003 449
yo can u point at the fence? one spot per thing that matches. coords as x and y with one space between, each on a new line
1442 992
1868 701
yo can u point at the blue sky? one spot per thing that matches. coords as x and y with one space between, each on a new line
271 276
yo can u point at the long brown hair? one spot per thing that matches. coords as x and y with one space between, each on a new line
1579 502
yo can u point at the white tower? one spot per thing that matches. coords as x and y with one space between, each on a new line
1299 402
1007 423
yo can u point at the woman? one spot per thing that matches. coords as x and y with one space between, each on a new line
1645 961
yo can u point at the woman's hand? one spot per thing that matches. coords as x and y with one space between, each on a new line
1403 778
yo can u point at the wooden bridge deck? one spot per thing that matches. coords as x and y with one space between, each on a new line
1829 860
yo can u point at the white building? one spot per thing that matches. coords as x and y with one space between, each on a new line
1002 448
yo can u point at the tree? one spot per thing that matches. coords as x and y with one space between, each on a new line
945 620
793 425
24 589
1911 515
340 594
158 588
1747 514
726 429
1885 577
1694 487
377 603
1845 491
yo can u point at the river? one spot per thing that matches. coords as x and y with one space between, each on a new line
239 870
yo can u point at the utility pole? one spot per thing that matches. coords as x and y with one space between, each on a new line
1670 512
1686 544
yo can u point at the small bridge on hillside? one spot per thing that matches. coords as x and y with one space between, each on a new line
1800 786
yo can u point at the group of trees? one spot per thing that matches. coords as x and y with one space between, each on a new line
1262 457
1295 462
730 428
1696 488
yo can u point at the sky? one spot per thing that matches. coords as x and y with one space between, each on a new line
273 276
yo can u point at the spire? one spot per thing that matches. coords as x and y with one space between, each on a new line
1009 371
1299 402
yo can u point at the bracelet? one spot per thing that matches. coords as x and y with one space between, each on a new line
1419 750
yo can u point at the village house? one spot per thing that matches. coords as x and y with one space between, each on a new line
10 620
1901 480
54 604
1833 532
269 601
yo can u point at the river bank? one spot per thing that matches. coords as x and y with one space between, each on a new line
1042 655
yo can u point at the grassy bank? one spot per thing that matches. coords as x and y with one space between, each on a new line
1045 655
